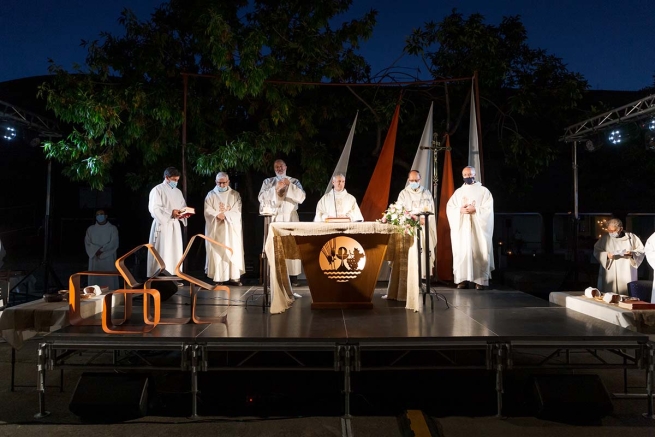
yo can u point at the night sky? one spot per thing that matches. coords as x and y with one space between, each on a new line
610 43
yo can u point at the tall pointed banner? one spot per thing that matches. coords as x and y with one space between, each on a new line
444 245
342 165
423 159
474 147
376 198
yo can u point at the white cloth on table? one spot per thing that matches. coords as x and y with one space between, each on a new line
102 237
285 208
222 265
281 244
165 232
614 274
338 204
471 234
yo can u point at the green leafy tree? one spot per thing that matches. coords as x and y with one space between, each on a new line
125 105
527 95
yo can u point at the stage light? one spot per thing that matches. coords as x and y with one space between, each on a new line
651 125
8 132
591 146
615 136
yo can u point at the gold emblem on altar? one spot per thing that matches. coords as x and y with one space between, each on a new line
342 259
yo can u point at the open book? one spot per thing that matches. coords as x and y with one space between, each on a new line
337 220
187 211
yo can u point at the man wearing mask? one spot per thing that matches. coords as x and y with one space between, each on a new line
223 224
416 198
164 204
338 203
619 253
283 194
101 242
470 213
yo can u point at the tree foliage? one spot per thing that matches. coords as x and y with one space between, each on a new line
527 94
125 105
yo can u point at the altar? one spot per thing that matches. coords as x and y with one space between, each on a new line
341 263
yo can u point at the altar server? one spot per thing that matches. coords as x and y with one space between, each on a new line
223 224
619 253
101 242
338 203
165 203
470 213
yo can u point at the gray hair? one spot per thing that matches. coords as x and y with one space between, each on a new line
339 174
614 222
222 174
472 169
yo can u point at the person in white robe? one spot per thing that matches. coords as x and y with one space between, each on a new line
338 203
101 243
416 198
223 224
470 213
164 204
283 194
620 254
649 252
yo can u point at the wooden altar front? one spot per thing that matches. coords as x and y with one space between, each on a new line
327 253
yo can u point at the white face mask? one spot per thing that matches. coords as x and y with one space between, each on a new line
614 234
414 185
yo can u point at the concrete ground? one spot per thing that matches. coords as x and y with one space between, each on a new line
383 405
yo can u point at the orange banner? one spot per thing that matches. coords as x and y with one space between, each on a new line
444 246
376 198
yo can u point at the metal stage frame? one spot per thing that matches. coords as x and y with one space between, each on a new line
488 330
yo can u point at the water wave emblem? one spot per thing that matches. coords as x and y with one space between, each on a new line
342 259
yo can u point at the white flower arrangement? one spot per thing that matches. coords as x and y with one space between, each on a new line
402 219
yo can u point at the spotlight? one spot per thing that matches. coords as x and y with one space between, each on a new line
651 125
8 132
591 146
615 136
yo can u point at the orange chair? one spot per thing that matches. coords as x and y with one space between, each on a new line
195 285
74 298
107 322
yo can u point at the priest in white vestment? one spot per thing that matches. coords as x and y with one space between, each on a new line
283 194
338 203
649 252
620 254
164 204
101 243
470 213
416 198
223 224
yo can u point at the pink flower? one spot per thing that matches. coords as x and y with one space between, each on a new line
384 220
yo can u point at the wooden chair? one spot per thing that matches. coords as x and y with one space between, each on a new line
196 285
74 298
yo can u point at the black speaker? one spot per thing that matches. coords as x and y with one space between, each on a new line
571 397
110 396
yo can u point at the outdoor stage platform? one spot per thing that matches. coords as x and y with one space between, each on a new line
492 330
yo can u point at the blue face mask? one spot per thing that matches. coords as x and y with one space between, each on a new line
172 184
469 181
101 218
222 189
414 185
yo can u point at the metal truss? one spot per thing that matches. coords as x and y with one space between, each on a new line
632 111
44 126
